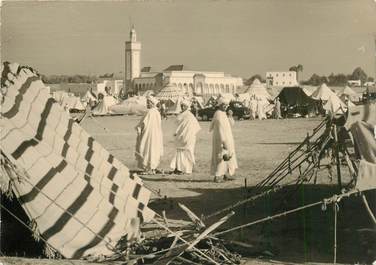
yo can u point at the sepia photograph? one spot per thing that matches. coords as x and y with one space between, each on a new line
188 132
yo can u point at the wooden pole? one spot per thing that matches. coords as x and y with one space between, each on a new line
335 205
365 202
338 162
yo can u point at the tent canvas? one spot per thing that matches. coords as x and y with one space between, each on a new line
132 106
81 199
323 92
348 93
335 106
148 93
176 107
104 106
89 96
295 96
258 90
72 102
170 92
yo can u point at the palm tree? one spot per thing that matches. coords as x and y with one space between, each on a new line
297 69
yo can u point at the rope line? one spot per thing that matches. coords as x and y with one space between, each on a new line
333 199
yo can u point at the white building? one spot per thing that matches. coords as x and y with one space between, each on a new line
191 82
281 79
132 58
354 82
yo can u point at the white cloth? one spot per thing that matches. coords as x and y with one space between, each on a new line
188 127
222 137
260 110
149 145
253 108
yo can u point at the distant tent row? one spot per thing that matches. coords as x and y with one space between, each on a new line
305 102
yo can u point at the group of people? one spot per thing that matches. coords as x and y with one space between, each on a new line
149 144
258 108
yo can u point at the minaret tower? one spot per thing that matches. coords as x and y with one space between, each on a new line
132 60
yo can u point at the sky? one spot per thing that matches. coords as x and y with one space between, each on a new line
239 37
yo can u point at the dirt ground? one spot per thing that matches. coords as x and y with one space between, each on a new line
306 236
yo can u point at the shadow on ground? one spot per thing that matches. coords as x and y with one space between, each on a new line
305 236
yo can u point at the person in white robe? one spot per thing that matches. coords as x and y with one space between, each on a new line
223 162
253 107
261 109
149 144
185 138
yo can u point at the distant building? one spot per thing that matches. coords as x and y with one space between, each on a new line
132 58
281 79
354 82
369 83
191 82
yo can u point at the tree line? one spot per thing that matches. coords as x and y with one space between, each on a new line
88 79
339 79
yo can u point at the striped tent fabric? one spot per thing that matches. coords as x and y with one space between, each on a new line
81 197
170 92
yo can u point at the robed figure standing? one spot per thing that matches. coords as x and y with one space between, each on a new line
185 138
149 144
223 162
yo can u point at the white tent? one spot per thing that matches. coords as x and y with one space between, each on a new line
334 105
148 93
104 105
308 90
59 95
348 93
89 96
258 90
176 108
132 106
170 92
323 92
72 102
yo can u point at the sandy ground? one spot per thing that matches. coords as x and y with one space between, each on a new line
261 145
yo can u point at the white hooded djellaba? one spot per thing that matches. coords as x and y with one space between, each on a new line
188 127
223 143
149 145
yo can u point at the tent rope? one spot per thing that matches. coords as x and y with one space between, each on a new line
335 198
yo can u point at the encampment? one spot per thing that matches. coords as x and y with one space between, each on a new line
295 101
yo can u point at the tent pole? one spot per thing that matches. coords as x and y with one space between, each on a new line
335 208
338 164
366 205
